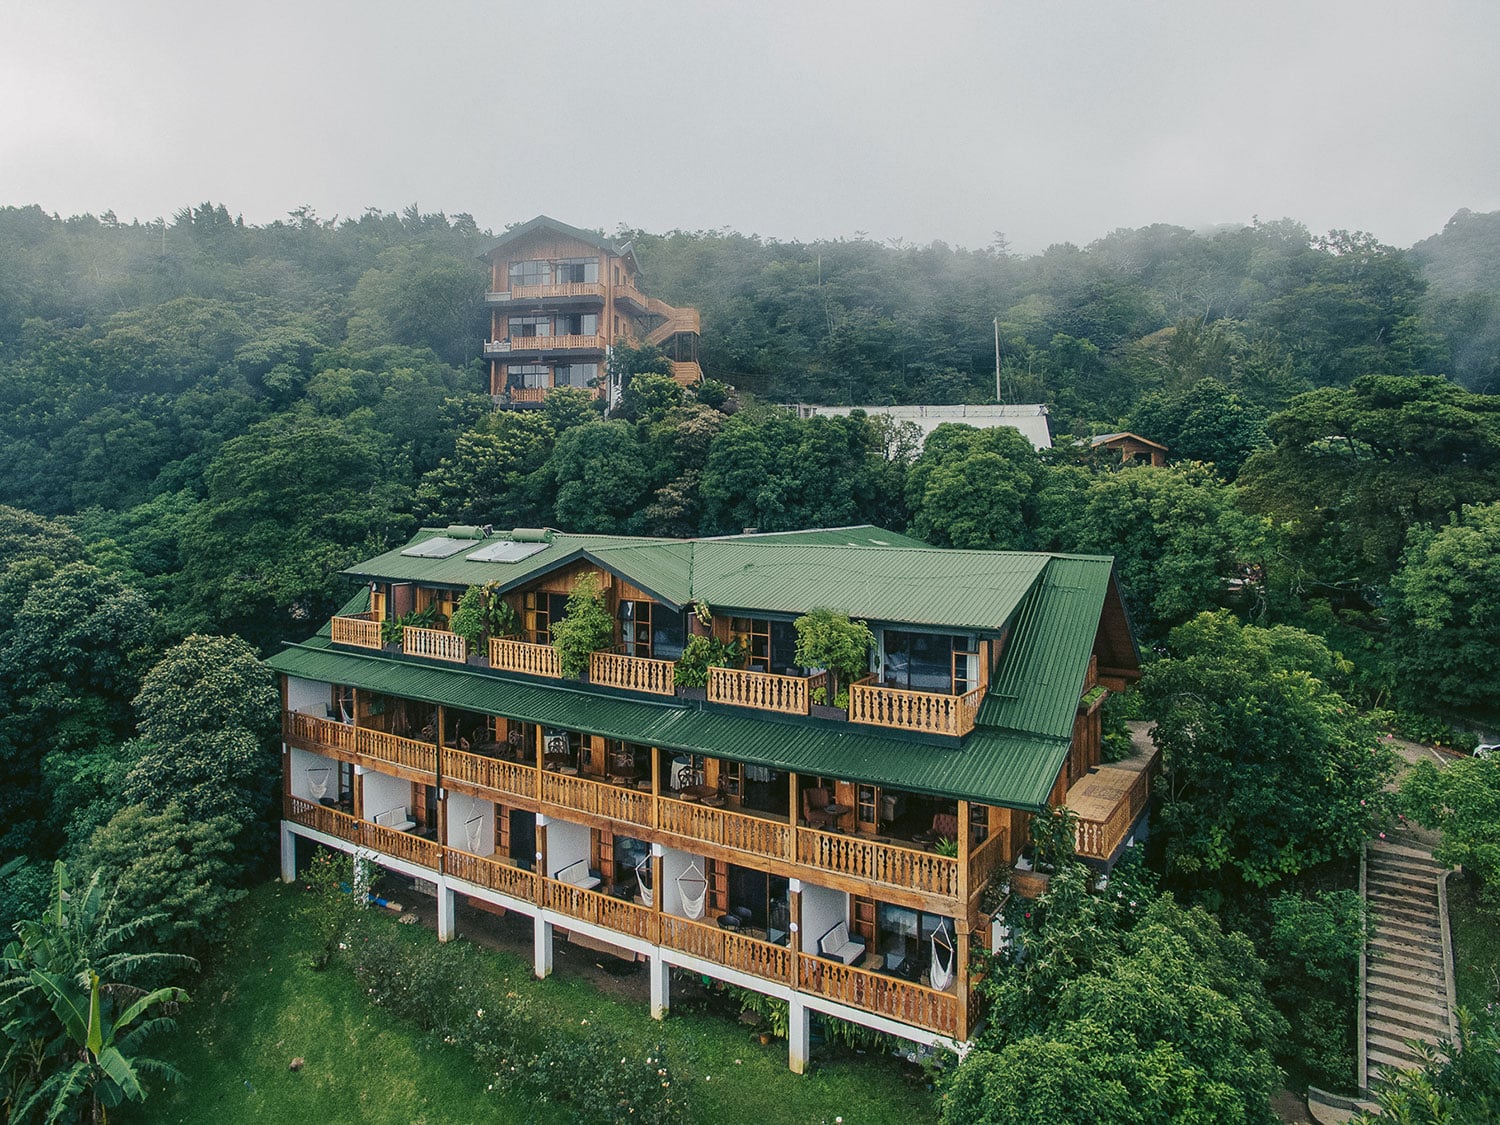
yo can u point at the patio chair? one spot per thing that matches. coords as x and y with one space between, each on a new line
815 808
945 826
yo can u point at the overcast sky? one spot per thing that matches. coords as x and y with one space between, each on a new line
1049 121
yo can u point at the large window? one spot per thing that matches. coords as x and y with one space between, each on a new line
542 612
527 375
769 646
576 375
906 938
522 327
939 662
635 628
531 273
577 324
577 269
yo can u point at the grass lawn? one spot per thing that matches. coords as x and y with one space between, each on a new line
262 1005
1476 948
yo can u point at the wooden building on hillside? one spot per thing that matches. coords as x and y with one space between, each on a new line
560 298
699 800
1129 447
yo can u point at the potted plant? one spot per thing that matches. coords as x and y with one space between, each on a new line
586 628
699 655
429 618
481 614
827 639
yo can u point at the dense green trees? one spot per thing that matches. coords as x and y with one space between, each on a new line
1267 770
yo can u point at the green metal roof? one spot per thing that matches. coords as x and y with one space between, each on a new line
865 571
1047 655
995 767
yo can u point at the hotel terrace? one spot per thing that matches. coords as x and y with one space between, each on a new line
845 859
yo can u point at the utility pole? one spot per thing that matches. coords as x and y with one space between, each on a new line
997 360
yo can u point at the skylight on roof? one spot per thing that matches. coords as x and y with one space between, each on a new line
438 547
506 551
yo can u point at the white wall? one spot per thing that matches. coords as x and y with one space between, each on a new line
566 843
311 696
673 864
384 792
822 909
461 809
302 761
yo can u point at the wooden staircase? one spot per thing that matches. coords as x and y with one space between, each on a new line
1407 986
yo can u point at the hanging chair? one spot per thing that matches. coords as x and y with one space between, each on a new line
472 828
643 880
693 888
317 782
944 958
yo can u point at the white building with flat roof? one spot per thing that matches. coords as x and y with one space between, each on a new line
1029 418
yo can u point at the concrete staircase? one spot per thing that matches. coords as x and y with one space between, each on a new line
1407 967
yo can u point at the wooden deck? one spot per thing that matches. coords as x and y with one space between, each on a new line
1110 799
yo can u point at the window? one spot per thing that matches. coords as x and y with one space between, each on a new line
523 327
575 375
731 777
668 632
937 662
754 636
527 375
541 610
577 269
531 273
635 628
576 324
905 937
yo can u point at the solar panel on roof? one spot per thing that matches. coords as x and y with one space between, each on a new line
506 551
438 547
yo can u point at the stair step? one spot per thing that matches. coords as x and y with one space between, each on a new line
1394 1046
1402 884
1381 1004
1412 992
1401 913
1412 978
1405 956
1385 847
1412 898
1431 1027
1380 863
1428 927
1404 870
1381 1057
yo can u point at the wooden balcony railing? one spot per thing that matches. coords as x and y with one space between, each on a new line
542 292
725 947
725 827
436 644
877 862
985 860
633 673
402 845
584 794
508 655
377 746
483 871
1098 837
917 711
889 996
601 909
320 818
314 730
570 342
496 778
766 691
363 631
528 394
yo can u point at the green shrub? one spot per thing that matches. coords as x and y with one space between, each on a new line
483 613
826 639
699 655
429 618
586 628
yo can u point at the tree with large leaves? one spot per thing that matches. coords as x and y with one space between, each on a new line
76 1001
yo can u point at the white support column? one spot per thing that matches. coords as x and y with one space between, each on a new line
798 1036
541 942
661 1000
288 855
445 901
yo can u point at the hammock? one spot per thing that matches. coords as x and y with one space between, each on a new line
943 958
692 899
472 828
317 782
643 880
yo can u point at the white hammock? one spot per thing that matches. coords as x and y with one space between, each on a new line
943 958
472 828
692 900
642 880
317 782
